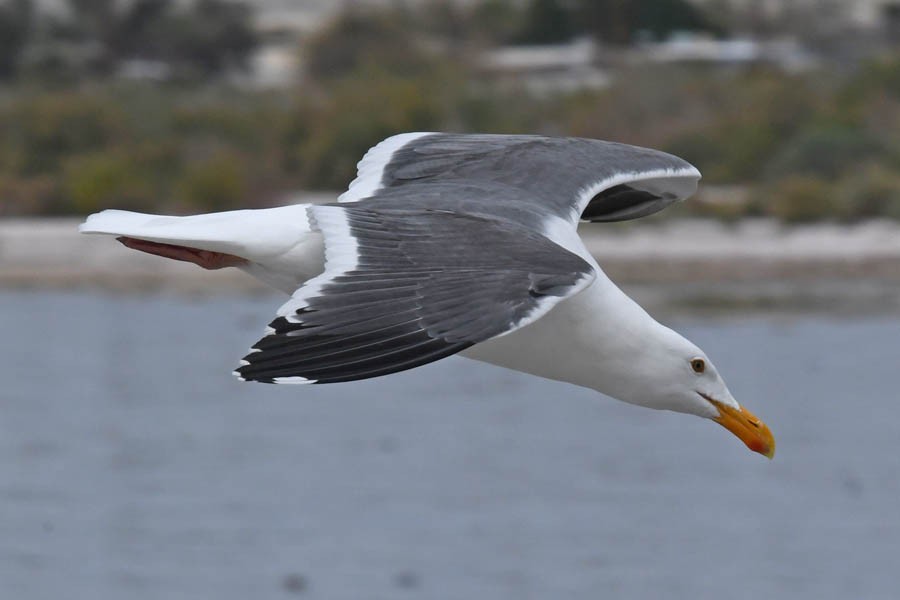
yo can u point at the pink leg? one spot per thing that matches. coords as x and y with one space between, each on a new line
203 258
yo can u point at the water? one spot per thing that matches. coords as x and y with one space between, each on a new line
133 466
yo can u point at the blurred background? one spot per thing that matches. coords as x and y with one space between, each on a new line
790 109
133 466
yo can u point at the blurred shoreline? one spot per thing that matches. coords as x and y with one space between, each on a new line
683 263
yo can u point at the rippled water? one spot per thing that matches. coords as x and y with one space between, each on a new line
133 466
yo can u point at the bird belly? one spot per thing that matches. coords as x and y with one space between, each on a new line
552 347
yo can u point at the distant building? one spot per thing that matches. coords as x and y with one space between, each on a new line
277 63
548 69
786 54
867 14
872 13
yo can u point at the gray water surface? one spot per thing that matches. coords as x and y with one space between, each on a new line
132 465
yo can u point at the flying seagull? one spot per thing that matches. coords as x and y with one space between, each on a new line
451 243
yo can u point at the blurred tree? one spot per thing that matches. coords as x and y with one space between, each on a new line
363 37
456 24
15 29
40 134
361 112
799 199
201 38
740 122
138 33
546 22
213 36
495 21
216 183
619 21
95 22
869 192
95 181
825 152
445 18
607 20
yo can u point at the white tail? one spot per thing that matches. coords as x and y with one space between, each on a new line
279 243
251 234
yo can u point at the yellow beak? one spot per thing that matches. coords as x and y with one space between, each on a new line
747 427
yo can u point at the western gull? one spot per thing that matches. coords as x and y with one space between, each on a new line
460 244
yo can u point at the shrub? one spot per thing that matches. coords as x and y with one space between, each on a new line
800 199
44 131
361 38
105 179
217 183
361 113
33 196
733 152
824 152
871 192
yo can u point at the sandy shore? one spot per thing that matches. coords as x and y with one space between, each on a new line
753 250
750 257
51 253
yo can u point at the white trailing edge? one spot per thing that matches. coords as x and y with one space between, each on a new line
370 170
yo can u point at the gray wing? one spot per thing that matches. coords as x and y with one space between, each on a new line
404 287
574 178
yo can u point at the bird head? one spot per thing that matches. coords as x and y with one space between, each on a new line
677 375
703 392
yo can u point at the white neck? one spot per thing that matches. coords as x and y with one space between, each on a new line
563 345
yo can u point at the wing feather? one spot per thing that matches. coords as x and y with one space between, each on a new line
575 178
445 281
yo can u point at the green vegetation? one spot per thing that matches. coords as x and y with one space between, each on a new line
546 22
136 147
617 22
199 148
800 199
820 145
93 39
620 22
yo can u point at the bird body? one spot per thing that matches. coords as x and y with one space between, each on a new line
447 244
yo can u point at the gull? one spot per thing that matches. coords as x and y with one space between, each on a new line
460 244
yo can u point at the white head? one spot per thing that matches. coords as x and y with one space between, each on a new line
659 368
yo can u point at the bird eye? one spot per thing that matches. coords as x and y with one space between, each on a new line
698 365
